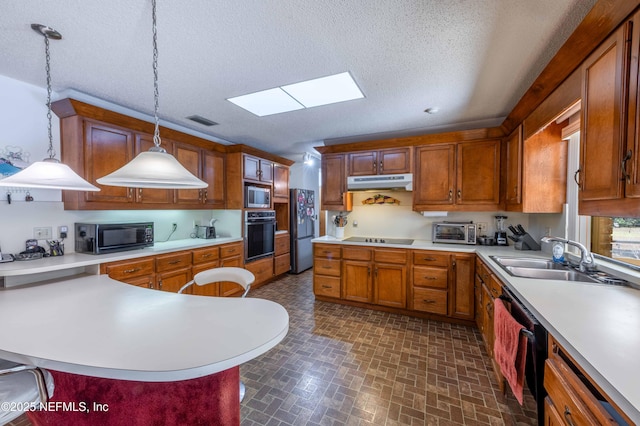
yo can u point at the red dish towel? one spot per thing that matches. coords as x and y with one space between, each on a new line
509 348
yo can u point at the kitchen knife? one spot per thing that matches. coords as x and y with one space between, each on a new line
512 238
521 229
512 229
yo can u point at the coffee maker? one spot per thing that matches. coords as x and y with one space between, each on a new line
501 233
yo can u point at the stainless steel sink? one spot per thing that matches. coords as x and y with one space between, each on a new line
549 274
528 262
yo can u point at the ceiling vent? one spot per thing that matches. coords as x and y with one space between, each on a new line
201 120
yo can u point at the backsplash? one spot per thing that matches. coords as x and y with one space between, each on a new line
400 221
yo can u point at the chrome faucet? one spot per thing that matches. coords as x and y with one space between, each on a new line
587 263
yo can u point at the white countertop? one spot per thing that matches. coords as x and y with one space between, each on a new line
96 326
76 260
598 324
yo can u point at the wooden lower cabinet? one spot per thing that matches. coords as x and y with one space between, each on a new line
282 255
420 282
170 271
262 269
573 398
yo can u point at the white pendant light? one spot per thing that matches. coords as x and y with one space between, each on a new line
48 173
155 168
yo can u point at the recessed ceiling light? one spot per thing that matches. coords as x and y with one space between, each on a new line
306 94
431 110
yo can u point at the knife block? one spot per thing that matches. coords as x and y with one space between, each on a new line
526 242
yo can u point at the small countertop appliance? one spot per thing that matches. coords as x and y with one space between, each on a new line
501 233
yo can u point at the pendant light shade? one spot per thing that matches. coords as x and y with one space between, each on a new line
155 168
48 173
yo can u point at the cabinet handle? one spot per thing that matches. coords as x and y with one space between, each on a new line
575 178
374 166
625 176
459 193
554 348
450 194
130 193
381 169
204 196
327 267
150 283
453 264
429 301
160 285
429 259
326 286
175 262
131 271
369 271
429 278
207 255
140 193
567 416
488 307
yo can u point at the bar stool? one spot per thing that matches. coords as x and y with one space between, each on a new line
233 274
22 383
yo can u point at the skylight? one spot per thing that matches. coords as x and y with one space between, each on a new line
307 94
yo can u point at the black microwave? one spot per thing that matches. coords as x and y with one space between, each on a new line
101 238
257 198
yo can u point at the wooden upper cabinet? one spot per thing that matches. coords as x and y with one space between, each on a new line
151 195
434 180
513 168
478 174
605 78
257 169
280 183
191 158
107 148
213 173
463 176
334 183
381 162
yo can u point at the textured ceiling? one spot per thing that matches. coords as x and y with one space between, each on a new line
472 59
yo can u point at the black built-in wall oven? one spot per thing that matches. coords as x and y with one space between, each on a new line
259 233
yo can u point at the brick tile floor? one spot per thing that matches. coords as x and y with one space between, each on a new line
342 365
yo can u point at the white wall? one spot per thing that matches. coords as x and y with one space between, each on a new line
23 124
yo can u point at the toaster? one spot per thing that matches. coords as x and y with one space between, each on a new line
206 232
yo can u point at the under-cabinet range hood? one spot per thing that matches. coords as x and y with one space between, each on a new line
399 182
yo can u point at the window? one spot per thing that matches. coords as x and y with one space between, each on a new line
617 238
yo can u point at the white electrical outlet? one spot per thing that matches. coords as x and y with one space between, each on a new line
43 233
482 228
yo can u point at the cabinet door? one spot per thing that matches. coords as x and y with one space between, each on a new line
390 284
478 173
356 281
513 168
602 143
107 149
213 173
392 161
363 163
487 313
333 182
172 281
251 168
150 195
462 299
281 183
434 181
189 156
632 183
478 304
266 171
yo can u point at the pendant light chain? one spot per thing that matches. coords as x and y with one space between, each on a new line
156 95
50 151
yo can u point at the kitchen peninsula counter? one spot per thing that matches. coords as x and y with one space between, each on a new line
596 323
82 260
95 326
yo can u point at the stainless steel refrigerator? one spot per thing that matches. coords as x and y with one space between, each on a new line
303 216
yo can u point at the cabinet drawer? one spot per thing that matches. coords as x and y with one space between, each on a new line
124 270
282 264
430 300
205 255
282 244
330 251
169 262
326 286
430 258
326 267
356 253
230 250
424 276
390 256
262 269
483 272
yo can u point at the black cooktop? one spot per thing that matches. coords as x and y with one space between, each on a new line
405 241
